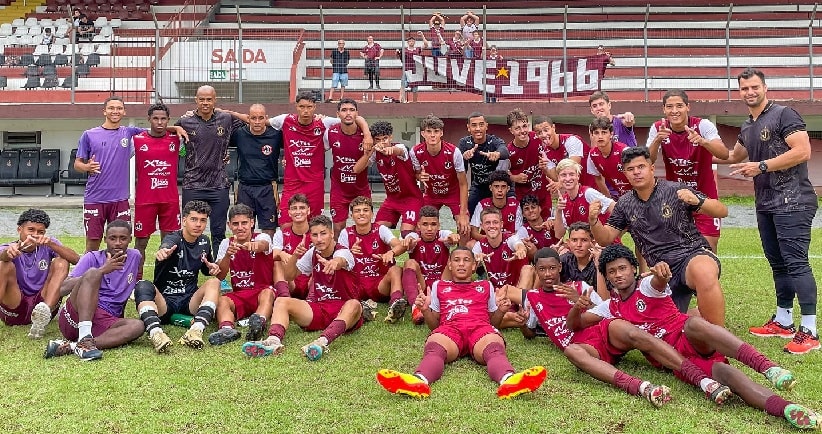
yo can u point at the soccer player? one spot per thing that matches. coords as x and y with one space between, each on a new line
558 147
659 216
574 204
688 145
428 250
462 315
247 255
485 153
647 304
579 264
31 271
374 248
785 206
332 304
293 240
503 253
99 287
258 157
156 198
623 123
181 256
439 166
526 151
403 198
604 162
500 184
536 232
346 140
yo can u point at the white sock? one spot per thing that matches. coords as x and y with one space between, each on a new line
154 331
809 322
85 328
421 377
505 377
323 340
644 385
273 340
227 327
198 326
705 383
784 316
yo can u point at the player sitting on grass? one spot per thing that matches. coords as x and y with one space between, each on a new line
92 318
462 315
248 256
374 247
181 257
31 271
647 304
428 250
535 231
293 240
332 304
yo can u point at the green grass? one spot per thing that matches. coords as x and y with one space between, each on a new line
218 390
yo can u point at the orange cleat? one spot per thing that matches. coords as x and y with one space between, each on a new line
403 384
528 380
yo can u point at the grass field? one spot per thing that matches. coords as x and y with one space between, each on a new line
218 390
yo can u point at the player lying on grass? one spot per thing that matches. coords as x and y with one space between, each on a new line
462 315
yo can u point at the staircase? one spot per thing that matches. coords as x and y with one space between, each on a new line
19 9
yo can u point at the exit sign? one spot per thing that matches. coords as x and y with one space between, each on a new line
217 74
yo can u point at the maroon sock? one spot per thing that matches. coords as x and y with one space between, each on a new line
396 295
410 286
775 405
334 330
281 289
496 361
229 324
277 330
693 374
433 362
627 383
748 355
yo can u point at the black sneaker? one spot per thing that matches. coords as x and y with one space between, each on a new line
223 336
86 350
57 348
396 311
256 326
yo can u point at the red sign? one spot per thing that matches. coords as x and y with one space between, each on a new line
511 78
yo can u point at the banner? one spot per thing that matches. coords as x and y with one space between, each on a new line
510 78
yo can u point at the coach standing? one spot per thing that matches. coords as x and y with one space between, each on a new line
777 146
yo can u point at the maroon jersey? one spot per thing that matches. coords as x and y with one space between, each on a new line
501 269
526 160
339 285
398 175
576 208
304 145
687 162
541 237
442 169
345 151
287 241
408 57
432 257
568 142
375 242
249 270
155 162
463 303
549 311
609 167
511 213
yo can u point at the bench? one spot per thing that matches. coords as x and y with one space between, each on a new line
29 167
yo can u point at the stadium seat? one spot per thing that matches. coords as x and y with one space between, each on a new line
6 29
50 82
61 60
57 49
68 83
62 31
32 83
93 60
71 176
2 59
21 30
26 40
3 82
31 22
43 59
9 162
101 21
46 22
82 70
49 71
32 71
87 49
116 22
35 30
103 49
26 60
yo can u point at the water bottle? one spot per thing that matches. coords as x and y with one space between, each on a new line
182 320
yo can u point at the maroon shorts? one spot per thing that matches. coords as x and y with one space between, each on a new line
369 289
20 315
708 226
439 203
467 336
147 215
324 312
705 362
68 319
339 203
314 192
96 215
597 337
405 210
245 301
301 286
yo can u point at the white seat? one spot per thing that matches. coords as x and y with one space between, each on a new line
86 49
104 49
26 40
40 49
107 31
13 40
36 39
6 29
56 49
46 22
18 22
21 30
62 41
100 22
116 22
30 22
99 38
60 22
35 30
61 31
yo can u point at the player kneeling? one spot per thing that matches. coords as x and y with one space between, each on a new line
457 312
100 284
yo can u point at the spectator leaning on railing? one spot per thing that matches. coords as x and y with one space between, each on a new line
407 55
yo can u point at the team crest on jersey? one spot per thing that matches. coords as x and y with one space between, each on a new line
43 265
422 249
437 249
138 226
336 144
510 217
130 278
317 131
582 210
374 245
765 134
124 142
171 147
220 131
479 289
267 149
667 212
640 306
520 161
448 165
144 148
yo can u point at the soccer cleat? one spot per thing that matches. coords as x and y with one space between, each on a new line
256 326
193 338
803 342
657 394
782 379
86 350
718 393
528 380
801 417
223 336
40 318
396 311
416 316
403 384
225 286
161 342
262 348
773 329
315 350
57 348
369 310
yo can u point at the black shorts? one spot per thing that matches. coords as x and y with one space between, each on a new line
176 304
681 293
261 199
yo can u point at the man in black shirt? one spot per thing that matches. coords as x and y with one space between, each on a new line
181 256
484 153
258 152
580 262
658 214
339 70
